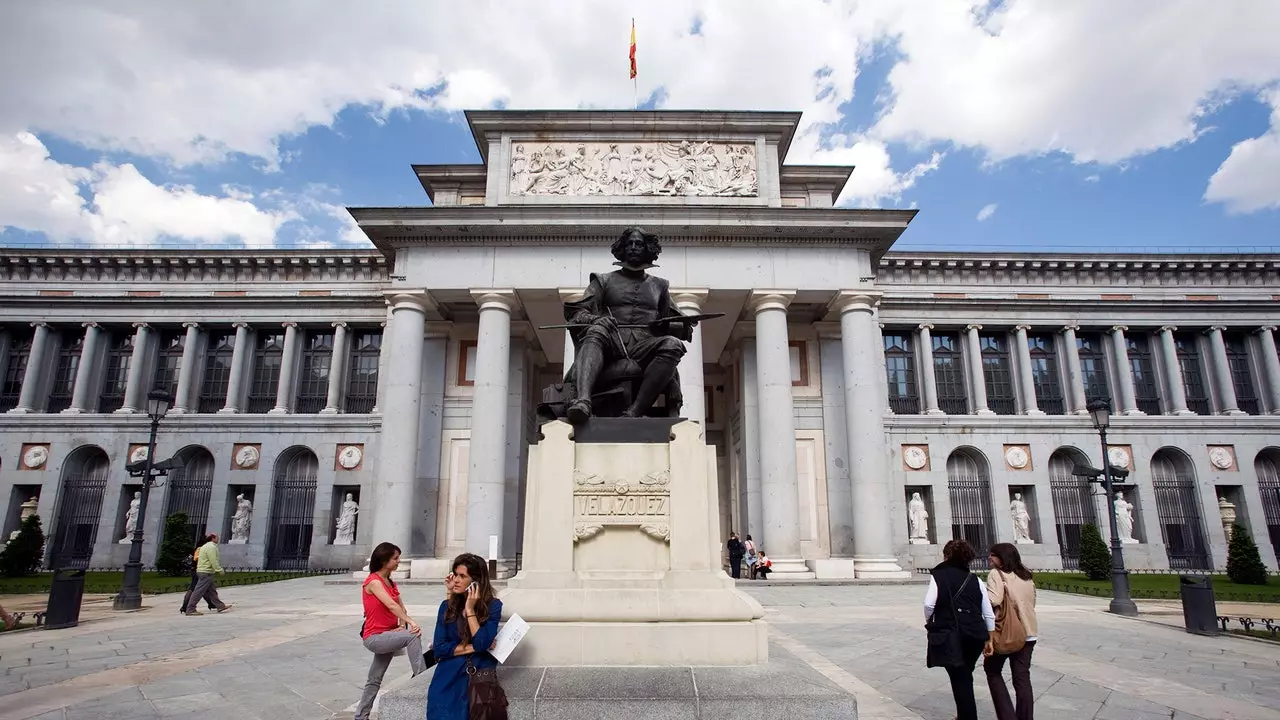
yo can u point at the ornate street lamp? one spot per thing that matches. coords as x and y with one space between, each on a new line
130 596
1121 602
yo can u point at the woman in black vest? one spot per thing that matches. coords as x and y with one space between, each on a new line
959 619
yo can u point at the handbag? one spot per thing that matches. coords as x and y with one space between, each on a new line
486 700
944 648
1011 633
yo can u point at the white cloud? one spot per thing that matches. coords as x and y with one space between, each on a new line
987 211
1093 178
1249 179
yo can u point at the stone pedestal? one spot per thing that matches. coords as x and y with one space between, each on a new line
621 556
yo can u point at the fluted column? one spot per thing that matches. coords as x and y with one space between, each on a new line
1271 365
133 388
393 516
779 484
1075 378
1222 373
692 383
1124 372
569 295
236 381
288 359
976 377
864 425
486 482
1027 378
1173 372
926 371
186 370
84 372
337 370
35 365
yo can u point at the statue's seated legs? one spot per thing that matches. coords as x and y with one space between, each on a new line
655 357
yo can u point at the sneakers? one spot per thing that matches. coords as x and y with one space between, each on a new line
224 608
192 612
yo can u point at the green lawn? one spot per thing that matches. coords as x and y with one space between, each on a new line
1157 587
153 583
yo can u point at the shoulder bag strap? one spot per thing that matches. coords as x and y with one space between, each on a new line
953 598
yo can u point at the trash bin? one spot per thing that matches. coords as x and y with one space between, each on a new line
1199 612
63 610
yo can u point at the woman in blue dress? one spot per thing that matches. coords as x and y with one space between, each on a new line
465 629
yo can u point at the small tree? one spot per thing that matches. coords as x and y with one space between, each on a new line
23 555
1095 558
175 552
1244 564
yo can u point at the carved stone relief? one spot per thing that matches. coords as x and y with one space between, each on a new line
640 502
644 168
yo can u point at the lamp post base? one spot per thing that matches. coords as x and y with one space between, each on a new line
130 595
1121 600
126 601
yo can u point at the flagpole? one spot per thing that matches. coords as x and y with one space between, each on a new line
635 94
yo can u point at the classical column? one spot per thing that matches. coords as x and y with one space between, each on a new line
236 380
288 359
976 377
1124 372
1271 365
1075 378
393 517
779 490
486 482
569 295
35 364
864 425
1173 371
337 369
1222 373
379 393
186 369
84 372
133 389
1027 378
692 385
926 367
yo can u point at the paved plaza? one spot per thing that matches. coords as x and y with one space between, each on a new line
290 650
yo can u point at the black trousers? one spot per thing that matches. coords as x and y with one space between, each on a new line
735 563
962 679
1020 669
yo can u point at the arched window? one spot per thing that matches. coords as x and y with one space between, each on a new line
293 508
84 485
191 489
1178 507
1073 506
969 488
1267 467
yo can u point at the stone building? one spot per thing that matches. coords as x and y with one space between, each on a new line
844 378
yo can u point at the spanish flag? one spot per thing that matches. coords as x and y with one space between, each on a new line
633 48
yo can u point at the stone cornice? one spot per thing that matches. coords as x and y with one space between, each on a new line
192 266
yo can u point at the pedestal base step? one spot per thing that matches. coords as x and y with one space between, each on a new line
785 687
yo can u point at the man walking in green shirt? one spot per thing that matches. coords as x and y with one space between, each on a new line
206 567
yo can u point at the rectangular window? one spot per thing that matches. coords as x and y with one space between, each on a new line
1192 376
1044 374
1241 375
217 371
1145 388
996 373
362 375
116 378
64 375
900 368
169 364
313 388
267 357
798 351
948 372
14 371
1093 368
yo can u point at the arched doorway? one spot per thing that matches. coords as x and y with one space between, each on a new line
293 507
1073 506
191 489
1267 468
1178 507
969 488
84 485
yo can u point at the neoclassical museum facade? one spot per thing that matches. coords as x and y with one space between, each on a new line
843 379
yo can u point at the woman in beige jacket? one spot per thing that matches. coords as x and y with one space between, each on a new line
1008 580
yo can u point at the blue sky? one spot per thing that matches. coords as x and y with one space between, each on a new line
1027 125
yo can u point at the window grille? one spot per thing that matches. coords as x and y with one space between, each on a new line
217 371
1145 388
84 485
1267 467
293 502
1241 375
1178 507
191 489
969 488
996 373
1093 368
1188 350
14 372
64 376
900 369
1073 506
362 375
116 379
266 372
948 373
169 363
1044 374
313 388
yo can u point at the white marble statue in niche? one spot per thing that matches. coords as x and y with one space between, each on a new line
1124 519
668 168
241 520
131 519
1021 520
917 520
346 530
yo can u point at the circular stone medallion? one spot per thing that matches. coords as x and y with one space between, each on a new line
915 457
1119 457
349 457
1017 457
35 457
1221 458
247 457
139 454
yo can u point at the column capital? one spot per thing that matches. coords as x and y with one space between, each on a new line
141 326
40 324
339 324
1119 328
761 300
925 326
972 328
419 300
496 299
90 324
690 298
1266 329
1023 327
855 301
1215 329
1168 328
289 325
571 294
189 325
1071 326
241 325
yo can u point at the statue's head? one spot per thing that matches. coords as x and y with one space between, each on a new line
636 248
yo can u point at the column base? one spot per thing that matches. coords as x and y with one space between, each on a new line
229 411
936 411
1185 412
329 411
126 411
278 411
20 411
1080 412
790 569
1134 412
1035 413
984 412
1234 412
879 568
1024 541
72 411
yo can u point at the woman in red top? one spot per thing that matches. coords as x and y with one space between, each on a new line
387 626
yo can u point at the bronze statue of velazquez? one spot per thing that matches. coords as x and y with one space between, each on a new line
626 343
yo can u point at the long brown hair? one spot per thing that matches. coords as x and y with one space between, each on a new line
478 569
1010 560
